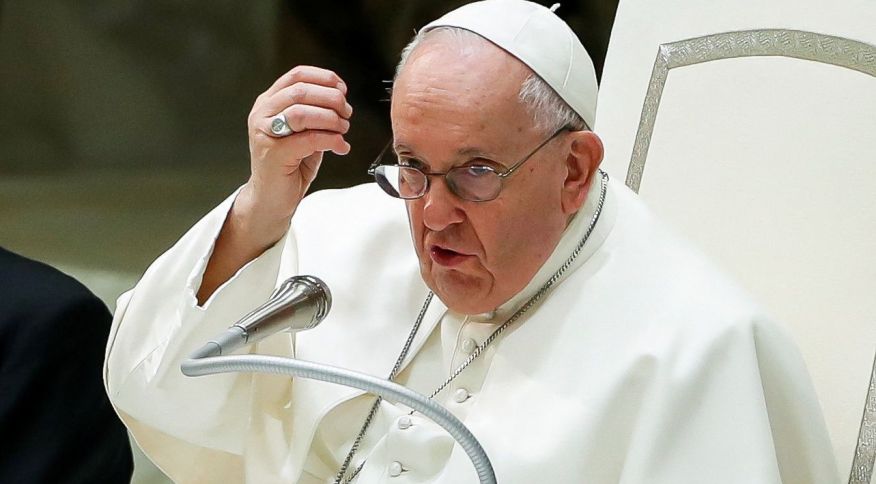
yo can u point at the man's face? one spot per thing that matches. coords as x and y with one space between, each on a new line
453 106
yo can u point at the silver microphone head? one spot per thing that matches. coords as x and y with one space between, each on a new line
301 302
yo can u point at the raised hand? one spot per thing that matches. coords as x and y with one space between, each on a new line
313 102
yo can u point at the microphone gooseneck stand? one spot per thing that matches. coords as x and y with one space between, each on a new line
300 303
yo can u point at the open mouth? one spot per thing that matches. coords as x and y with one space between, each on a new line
446 257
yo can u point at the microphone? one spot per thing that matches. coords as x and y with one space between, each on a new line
301 302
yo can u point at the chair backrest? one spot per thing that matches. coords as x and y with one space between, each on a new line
751 127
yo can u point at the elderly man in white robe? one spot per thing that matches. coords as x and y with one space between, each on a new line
577 338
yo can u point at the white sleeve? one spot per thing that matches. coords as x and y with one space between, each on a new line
158 323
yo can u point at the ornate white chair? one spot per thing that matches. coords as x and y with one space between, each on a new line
751 127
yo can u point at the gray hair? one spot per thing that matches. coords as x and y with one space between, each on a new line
548 110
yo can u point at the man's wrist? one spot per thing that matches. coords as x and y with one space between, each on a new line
256 222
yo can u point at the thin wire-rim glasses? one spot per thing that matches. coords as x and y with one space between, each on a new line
475 182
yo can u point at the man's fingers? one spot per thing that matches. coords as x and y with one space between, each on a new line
302 117
313 102
309 74
301 145
326 141
308 94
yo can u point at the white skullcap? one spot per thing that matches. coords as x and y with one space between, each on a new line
540 39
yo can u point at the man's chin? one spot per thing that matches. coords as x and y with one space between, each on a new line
460 292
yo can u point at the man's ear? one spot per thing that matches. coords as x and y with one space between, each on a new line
585 155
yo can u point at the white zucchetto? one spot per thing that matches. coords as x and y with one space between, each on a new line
540 39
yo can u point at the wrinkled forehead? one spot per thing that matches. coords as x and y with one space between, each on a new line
460 73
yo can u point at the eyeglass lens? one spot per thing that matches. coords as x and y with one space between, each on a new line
474 183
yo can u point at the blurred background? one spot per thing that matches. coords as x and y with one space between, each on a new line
123 122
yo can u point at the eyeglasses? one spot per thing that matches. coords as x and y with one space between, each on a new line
474 182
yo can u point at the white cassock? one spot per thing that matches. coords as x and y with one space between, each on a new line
644 364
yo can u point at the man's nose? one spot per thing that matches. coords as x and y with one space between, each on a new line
441 208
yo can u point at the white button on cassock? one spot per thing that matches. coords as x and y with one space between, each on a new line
469 345
460 395
404 422
395 469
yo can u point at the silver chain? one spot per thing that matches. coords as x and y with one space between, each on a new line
339 479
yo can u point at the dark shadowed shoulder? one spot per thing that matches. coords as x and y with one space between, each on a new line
26 284
53 332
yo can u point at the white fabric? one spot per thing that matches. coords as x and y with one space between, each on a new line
644 365
540 39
